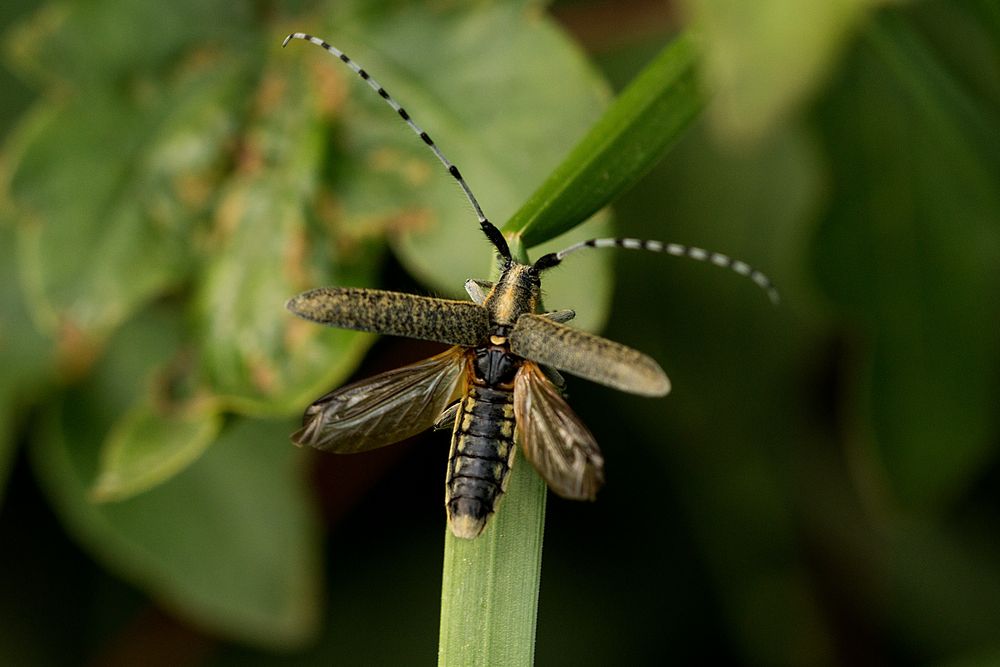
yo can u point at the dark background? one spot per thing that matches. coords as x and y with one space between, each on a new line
820 488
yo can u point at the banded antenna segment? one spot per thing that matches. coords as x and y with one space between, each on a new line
491 231
675 249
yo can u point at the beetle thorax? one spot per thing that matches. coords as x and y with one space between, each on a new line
515 293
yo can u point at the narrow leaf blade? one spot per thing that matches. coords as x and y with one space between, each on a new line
489 593
625 143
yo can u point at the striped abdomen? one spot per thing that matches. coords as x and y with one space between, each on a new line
482 451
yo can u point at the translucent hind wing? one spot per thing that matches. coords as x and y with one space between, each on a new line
383 409
553 438
394 314
541 339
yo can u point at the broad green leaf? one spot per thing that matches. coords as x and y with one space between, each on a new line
96 43
151 443
911 247
168 423
502 119
97 240
763 59
630 138
258 357
230 543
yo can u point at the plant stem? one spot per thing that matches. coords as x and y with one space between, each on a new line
489 593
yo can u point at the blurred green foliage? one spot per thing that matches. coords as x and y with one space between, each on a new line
820 488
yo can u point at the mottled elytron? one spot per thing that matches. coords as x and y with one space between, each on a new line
498 384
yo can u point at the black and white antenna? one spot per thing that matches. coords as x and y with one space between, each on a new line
491 231
676 249
496 236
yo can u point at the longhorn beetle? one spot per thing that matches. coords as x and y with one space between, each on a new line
499 382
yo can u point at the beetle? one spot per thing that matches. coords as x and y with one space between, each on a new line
498 384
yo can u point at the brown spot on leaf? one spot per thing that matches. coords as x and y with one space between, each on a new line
329 86
76 351
384 159
270 93
262 374
193 190
294 257
298 332
415 171
199 59
250 155
228 214
415 220
328 211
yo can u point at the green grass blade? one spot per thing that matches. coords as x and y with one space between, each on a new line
489 594
628 140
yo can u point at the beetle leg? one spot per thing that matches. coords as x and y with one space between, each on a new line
478 289
446 420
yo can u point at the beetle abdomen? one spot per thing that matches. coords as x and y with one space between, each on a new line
482 451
